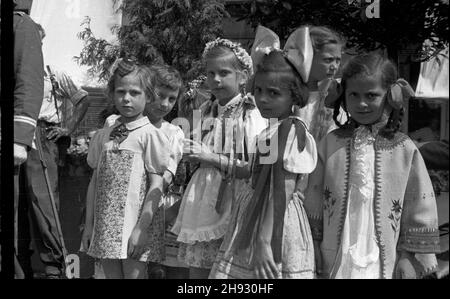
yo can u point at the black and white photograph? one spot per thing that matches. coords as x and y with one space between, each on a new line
224 139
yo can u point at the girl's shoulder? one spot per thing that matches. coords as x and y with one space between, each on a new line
172 131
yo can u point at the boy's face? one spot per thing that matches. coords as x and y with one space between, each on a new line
163 103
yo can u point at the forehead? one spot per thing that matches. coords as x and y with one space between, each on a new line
226 61
362 82
334 50
166 90
271 79
129 80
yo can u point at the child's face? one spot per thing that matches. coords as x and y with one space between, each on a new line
365 98
272 98
163 103
223 79
326 62
129 97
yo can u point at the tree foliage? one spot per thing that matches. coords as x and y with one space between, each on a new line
401 23
170 31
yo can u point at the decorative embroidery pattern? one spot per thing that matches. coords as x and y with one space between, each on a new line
385 144
395 215
113 177
328 203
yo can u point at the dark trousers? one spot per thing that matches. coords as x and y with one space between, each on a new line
36 220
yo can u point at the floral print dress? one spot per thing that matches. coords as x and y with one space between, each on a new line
122 183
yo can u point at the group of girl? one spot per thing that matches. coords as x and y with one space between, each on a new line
298 176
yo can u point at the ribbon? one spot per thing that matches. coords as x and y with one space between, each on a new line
298 49
254 214
123 66
119 134
399 93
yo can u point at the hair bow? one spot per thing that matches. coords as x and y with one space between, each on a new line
399 93
298 49
123 66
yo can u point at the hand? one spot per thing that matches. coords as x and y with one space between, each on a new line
199 157
136 243
318 258
20 154
57 132
192 146
86 237
405 268
265 267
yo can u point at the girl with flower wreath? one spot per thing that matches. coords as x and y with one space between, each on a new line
269 234
370 201
229 127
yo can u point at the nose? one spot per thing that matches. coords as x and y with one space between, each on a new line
362 103
261 98
216 78
126 97
164 102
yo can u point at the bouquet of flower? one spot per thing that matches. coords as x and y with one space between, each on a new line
79 147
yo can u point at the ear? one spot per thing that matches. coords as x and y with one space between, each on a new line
244 75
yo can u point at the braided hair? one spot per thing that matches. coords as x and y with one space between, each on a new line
369 65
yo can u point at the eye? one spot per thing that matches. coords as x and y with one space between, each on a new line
172 99
328 60
273 93
257 89
372 95
223 73
210 74
135 92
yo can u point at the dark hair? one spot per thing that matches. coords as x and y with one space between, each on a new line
321 36
167 77
365 65
275 61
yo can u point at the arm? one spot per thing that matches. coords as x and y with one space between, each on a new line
243 168
139 236
68 90
313 203
29 84
419 234
89 217
265 266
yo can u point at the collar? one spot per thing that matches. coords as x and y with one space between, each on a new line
136 124
230 103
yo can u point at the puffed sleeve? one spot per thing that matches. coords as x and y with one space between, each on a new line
296 160
419 223
254 124
313 202
111 120
95 149
156 153
176 150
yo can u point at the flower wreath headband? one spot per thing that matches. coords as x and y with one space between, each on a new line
298 49
241 53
